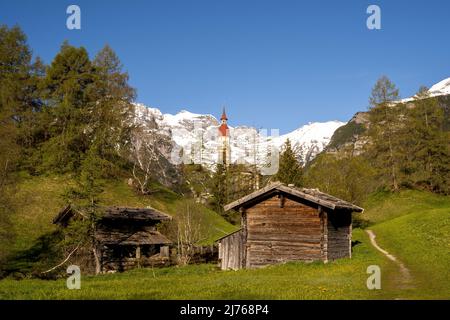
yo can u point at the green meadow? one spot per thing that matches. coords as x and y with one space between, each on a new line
414 226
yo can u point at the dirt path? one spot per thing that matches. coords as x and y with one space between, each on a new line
405 280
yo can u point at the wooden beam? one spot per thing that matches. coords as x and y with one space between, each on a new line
281 197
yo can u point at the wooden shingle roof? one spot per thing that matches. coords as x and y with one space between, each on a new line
119 237
142 214
114 213
312 195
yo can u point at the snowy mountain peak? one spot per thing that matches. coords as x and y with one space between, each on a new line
188 120
182 130
441 88
311 139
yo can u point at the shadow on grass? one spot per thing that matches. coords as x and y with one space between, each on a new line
28 262
355 243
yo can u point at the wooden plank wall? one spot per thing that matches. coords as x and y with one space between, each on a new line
231 251
324 231
114 232
282 230
111 262
339 235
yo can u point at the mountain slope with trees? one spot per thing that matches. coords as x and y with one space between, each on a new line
392 146
69 137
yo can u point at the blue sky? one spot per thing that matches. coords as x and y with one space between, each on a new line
273 64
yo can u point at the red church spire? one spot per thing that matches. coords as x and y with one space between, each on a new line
224 115
223 129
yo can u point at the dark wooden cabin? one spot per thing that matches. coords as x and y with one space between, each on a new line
282 223
124 237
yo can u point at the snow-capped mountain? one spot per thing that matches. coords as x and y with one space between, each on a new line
194 137
353 136
311 139
441 88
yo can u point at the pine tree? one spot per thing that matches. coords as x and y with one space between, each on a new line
113 112
219 190
68 89
385 124
290 170
19 81
426 144
348 177
89 110
15 57
114 109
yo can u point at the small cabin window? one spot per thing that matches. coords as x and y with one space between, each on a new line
149 250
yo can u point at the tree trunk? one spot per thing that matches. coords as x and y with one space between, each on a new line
97 260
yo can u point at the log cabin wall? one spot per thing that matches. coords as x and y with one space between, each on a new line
115 232
281 229
324 232
285 223
339 234
124 245
231 251
126 257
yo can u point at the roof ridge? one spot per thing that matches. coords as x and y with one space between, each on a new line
313 195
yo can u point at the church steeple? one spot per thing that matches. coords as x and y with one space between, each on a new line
224 141
223 129
224 115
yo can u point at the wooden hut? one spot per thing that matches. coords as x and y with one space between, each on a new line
282 223
124 238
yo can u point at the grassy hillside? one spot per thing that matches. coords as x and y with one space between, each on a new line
383 206
38 200
415 227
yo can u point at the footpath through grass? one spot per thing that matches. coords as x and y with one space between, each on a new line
415 227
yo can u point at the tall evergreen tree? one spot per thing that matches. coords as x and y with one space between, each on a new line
68 91
90 110
15 101
19 85
229 183
348 177
290 170
114 111
426 144
219 190
17 97
385 124
108 126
